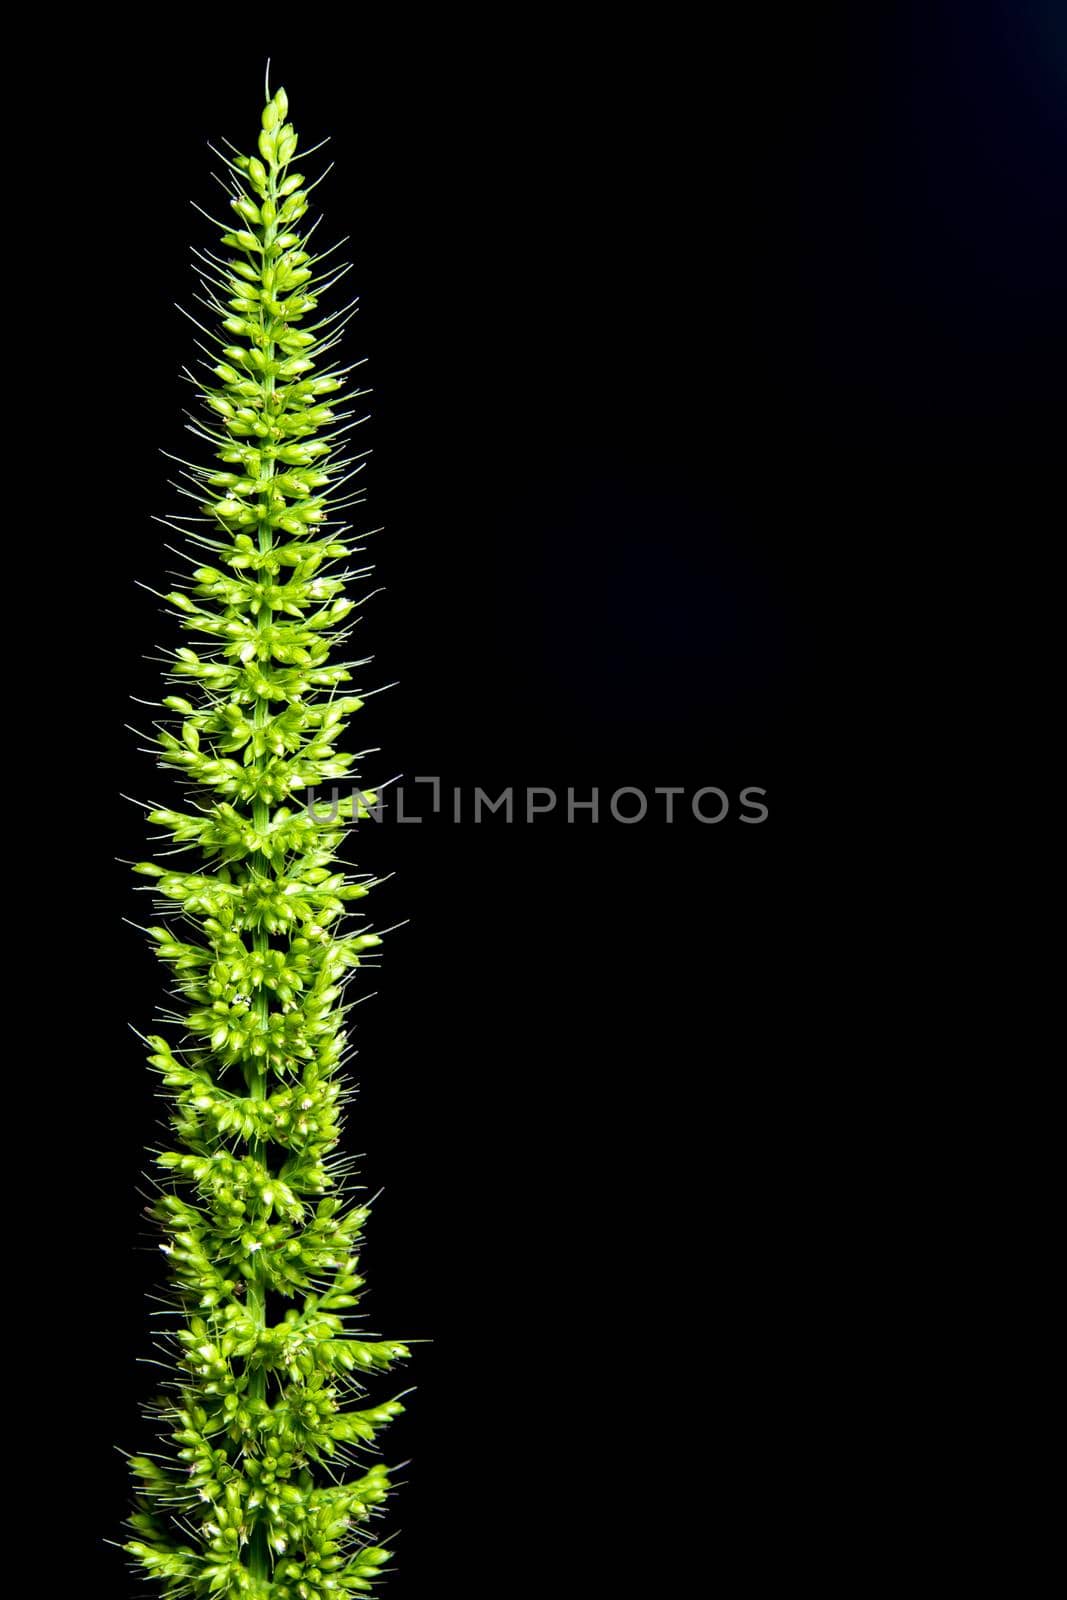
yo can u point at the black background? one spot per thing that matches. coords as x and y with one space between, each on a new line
707 372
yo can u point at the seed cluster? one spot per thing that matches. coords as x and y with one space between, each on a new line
261 1484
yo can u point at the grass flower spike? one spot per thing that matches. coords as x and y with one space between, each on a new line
264 1479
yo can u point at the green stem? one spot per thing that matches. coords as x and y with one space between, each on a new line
259 1554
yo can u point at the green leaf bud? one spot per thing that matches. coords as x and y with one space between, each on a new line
246 208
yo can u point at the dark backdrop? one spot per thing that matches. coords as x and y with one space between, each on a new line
704 369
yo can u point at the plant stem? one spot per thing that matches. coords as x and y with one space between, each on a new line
259 1554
